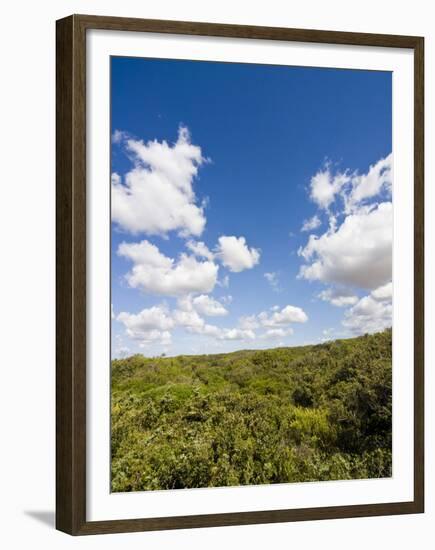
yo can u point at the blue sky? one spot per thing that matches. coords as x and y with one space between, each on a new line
283 173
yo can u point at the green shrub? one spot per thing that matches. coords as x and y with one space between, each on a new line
314 413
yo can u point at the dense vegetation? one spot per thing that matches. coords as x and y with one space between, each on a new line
310 413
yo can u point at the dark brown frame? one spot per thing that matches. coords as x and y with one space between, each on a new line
71 274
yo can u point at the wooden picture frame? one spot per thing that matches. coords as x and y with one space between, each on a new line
71 274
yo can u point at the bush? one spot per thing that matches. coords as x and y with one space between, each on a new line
314 413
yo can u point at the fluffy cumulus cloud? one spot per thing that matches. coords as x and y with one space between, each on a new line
199 249
188 316
155 273
353 188
154 325
339 297
151 325
372 313
203 304
209 306
217 333
324 187
275 323
357 253
311 223
367 186
384 292
193 322
236 334
232 252
156 196
285 316
276 320
279 333
235 254
249 322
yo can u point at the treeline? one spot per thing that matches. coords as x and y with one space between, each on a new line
284 415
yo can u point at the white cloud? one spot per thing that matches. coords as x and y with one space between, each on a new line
118 136
209 306
188 319
354 188
368 185
273 280
150 325
339 297
156 196
285 316
236 334
369 314
235 254
192 322
324 187
358 253
155 273
277 333
276 320
203 304
311 223
154 325
356 250
249 322
384 292
200 249
156 317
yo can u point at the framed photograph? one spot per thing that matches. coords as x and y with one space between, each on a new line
239 275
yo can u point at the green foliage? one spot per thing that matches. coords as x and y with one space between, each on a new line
313 413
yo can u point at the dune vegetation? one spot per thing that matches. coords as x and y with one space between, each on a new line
311 413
